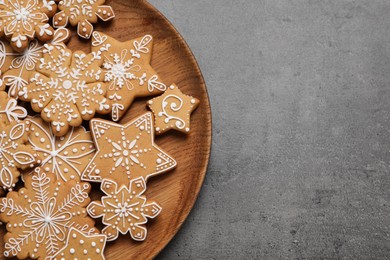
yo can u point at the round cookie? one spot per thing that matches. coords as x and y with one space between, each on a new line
39 216
23 20
82 13
124 209
172 110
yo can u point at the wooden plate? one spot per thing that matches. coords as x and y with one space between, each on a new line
175 191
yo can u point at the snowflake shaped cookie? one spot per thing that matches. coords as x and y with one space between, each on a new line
67 88
15 153
124 210
127 70
9 109
126 152
19 67
39 216
82 13
23 20
172 110
65 156
82 246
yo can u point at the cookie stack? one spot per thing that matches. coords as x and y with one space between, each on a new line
48 160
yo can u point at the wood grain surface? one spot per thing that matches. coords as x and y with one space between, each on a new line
175 191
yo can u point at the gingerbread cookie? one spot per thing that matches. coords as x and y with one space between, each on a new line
172 110
15 153
9 109
126 152
127 70
67 88
39 216
23 20
82 246
82 13
23 65
124 209
65 156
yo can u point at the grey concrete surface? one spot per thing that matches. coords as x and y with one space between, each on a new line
300 93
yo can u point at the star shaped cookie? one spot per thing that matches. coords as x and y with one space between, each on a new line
126 152
172 110
127 70
124 210
82 246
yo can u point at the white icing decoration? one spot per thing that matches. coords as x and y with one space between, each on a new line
13 111
180 123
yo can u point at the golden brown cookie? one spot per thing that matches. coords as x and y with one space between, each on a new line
10 111
67 89
126 152
23 20
65 156
124 209
15 153
172 110
38 217
127 70
22 65
82 246
82 13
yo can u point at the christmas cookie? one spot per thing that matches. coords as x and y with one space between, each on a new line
67 88
126 152
65 156
39 216
127 70
15 153
172 110
82 13
23 20
23 65
124 209
9 109
82 246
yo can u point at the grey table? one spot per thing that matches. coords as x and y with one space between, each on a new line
300 94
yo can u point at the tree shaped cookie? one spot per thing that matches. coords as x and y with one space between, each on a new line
21 66
127 70
67 89
126 152
172 110
39 216
9 109
82 13
23 20
15 153
124 209
65 156
82 246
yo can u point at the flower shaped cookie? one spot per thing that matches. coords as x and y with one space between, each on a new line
124 210
39 216
82 13
23 20
67 89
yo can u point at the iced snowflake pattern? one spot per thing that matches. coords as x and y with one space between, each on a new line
39 216
124 210
67 88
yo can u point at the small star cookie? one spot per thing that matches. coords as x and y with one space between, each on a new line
127 70
15 153
9 109
172 110
124 210
82 246
67 88
82 13
23 20
65 156
126 152
39 216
